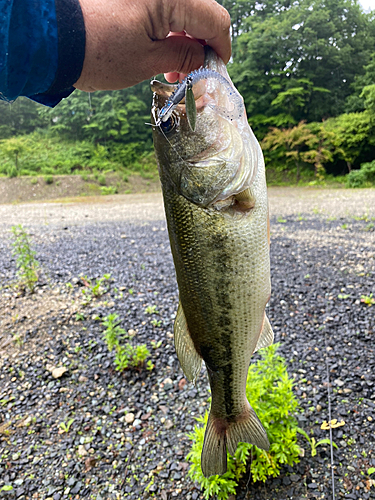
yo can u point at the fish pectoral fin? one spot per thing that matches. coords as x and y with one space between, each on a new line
245 200
266 336
221 433
188 357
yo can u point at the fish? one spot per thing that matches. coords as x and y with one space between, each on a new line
215 201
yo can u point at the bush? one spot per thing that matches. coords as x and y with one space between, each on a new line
270 392
363 177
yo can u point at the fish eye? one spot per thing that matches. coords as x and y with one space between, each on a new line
168 125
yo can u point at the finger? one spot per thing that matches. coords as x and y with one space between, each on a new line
203 19
176 55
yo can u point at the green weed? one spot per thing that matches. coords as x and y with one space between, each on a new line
106 190
270 392
27 265
313 443
128 356
65 426
368 299
151 310
95 288
113 332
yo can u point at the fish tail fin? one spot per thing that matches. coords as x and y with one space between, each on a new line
221 433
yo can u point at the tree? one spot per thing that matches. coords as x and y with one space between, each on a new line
291 146
323 42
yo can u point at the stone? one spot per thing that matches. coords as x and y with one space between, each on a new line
59 372
129 418
82 450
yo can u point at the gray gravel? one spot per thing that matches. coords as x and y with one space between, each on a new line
322 261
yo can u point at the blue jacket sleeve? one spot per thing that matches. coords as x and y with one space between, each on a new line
42 48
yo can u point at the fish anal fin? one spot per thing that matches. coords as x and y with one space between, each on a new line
188 357
266 336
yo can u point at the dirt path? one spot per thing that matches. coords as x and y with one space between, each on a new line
142 207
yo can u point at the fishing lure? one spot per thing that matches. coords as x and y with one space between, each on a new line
184 89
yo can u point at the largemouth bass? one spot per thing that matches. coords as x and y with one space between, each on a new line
215 200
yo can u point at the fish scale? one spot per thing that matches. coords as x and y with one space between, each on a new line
221 257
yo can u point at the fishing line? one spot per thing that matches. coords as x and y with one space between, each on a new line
329 415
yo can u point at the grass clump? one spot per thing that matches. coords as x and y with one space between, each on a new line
27 265
127 355
270 392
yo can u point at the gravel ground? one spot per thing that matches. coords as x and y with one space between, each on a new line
129 428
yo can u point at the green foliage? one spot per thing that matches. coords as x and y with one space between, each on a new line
65 426
151 310
363 177
27 265
314 444
291 58
105 190
113 332
127 355
368 299
95 288
270 392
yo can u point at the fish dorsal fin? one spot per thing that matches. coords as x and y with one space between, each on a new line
188 357
266 336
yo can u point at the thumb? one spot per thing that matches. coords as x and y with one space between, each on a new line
180 54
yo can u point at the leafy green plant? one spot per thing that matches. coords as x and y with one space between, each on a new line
7 487
105 190
128 356
96 288
113 332
156 322
368 299
27 265
48 179
65 426
364 177
313 443
270 392
151 310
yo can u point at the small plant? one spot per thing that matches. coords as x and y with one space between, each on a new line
270 392
281 220
65 426
156 322
151 310
315 444
113 332
156 345
27 265
368 299
48 179
17 339
7 487
94 289
79 316
128 356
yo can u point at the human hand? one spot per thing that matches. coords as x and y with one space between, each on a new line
127 40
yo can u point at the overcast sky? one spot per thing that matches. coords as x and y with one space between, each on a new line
368 4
